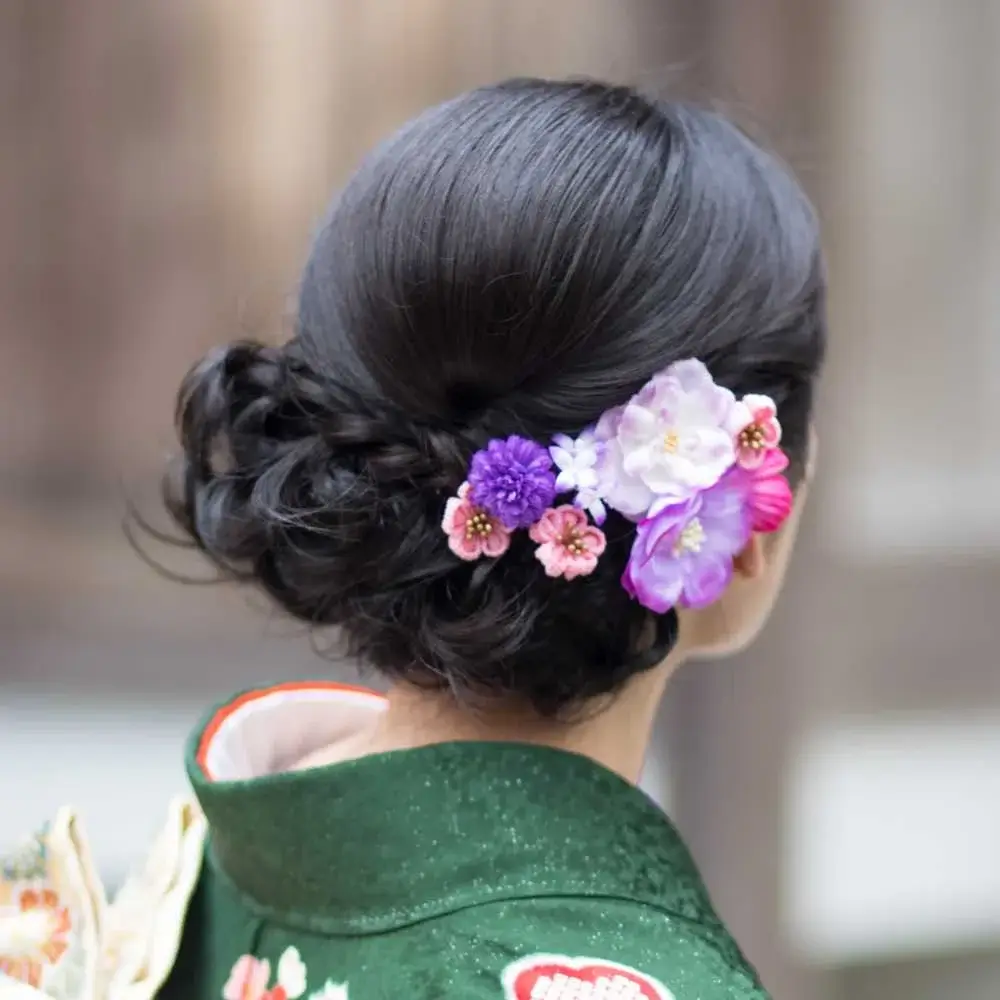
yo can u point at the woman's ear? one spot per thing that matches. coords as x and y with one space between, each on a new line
750 563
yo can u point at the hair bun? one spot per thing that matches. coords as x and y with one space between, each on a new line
227 399
295 482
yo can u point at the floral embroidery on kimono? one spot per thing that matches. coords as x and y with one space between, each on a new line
60 938
35 922
250 979
33 934
556 977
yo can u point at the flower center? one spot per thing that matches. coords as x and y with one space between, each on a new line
752 437
671 442
510 486
479 524
25 933
691 538
573 542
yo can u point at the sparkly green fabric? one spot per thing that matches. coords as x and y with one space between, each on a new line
423 874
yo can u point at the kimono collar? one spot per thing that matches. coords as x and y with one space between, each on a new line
386 840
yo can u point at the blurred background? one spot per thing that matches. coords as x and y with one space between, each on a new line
162 163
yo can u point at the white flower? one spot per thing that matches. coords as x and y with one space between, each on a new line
331 991
628 495
674 434
577 462
592 502
292 973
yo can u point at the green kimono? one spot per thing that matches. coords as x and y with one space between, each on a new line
462 871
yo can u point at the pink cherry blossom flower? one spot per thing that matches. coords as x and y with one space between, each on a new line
755 429
567 545
471 531
674 433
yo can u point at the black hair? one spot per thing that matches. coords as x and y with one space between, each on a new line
514 261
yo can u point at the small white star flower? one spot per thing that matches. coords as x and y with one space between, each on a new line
577 463
331 991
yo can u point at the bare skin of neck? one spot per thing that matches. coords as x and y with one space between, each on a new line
615 735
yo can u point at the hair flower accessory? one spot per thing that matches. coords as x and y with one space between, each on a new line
471 531
567 545
627 494
577 464
683 552
769 497
674 432
695 469
513 481
756 430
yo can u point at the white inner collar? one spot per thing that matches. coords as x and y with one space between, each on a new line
267 732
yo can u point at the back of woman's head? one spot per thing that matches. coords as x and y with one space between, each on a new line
516 261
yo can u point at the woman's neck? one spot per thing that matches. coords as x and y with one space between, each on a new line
615 735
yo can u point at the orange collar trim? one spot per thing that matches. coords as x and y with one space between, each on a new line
226 737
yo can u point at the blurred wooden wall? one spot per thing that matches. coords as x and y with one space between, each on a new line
165 160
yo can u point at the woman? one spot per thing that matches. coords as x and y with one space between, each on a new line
541 435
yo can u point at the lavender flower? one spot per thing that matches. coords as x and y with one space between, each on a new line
683 552
513 480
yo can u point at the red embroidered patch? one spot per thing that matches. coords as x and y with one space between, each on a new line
554 977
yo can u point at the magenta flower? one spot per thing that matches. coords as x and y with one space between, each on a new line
471 531
683 552
513 481
567 545
769 496
756 430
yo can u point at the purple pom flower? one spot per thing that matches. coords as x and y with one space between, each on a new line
513 480
683 552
